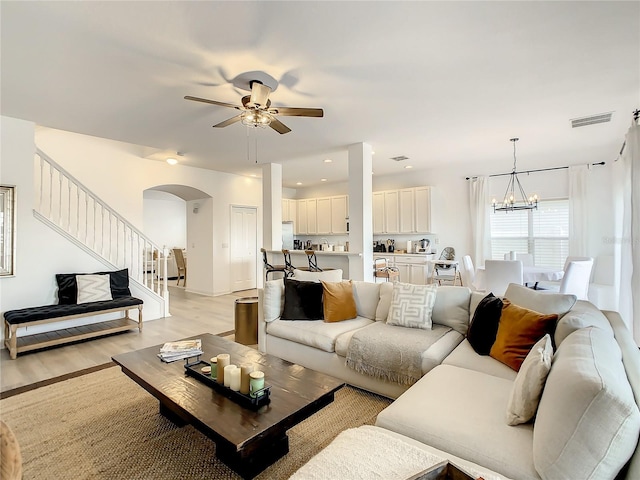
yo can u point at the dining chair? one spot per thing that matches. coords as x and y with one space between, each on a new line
181 265
468 272
271 268
500 273
554 286
447 272
576 279
381 269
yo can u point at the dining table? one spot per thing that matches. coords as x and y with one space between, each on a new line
530 275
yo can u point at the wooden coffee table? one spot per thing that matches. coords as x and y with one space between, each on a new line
248 441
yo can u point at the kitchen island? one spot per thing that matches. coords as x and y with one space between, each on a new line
325 259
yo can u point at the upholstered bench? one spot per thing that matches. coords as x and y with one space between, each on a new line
74 304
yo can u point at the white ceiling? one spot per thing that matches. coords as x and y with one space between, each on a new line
444 83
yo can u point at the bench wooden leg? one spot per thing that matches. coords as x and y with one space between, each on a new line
13 342
140 318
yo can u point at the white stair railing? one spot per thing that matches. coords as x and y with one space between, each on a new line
72 207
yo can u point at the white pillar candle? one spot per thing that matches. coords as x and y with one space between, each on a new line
256 382
227 374
224 359
245 370
235 379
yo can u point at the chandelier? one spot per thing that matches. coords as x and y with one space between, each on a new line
514 188
256 118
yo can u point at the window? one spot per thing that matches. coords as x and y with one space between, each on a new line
543 232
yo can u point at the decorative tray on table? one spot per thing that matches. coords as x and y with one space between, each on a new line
262 396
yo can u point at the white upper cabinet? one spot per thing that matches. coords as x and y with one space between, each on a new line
290 212
407 210
301 227
312 216
339 214
323 206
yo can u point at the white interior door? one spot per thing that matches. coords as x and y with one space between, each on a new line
244 227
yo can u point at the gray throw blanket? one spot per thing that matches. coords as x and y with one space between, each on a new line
391 352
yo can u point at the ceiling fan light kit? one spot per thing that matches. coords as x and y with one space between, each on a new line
511 203
257 111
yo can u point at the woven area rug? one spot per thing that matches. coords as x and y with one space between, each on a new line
104 426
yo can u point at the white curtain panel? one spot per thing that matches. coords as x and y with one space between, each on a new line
578 211
626 191
479 213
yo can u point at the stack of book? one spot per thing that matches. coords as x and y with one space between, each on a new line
172 351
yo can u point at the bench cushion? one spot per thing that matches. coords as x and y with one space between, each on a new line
33 314
68 287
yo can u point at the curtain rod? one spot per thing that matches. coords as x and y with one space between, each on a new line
532 171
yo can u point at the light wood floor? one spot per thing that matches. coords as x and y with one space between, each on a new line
192 314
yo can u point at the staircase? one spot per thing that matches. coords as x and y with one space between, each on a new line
70 208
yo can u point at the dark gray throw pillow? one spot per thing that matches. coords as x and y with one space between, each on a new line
302 300
484 325
68 287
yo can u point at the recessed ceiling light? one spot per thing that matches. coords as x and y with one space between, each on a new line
372 152
298 183
172 161
327 160
408 166
323 179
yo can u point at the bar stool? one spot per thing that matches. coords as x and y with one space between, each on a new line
313 262
271 268
289 266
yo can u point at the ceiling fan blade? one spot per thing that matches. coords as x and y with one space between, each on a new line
231 121
259 94
278 126
212 102
297 112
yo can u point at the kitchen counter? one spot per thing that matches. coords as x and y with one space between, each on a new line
318 253
395 254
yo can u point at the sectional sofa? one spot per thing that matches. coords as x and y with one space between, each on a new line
587 423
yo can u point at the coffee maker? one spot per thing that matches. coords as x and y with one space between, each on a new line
297 244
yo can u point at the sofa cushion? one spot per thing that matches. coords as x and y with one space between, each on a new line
411 305
319 335
337 301
539 300
302 300
465 357
588 422
273 299
462 412
582 315
518 331
484 324
527 388
382 311
452 308
367 296
326 275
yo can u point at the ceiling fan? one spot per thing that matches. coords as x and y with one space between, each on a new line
257 111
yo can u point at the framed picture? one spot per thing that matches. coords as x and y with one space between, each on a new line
7 230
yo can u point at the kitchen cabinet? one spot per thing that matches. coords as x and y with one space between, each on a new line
290 212
407 210
412 268
378 212
339 214
392 211
323 209
312 216
422 197
301 228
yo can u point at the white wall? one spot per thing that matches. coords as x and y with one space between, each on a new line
40 251
165 219
119 175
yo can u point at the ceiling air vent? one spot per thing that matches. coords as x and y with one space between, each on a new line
400 158
591 120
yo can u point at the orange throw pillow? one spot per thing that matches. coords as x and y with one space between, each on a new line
338 300
518 331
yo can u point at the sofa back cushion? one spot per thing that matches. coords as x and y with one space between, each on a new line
367 296
326 275
382 311
588 423
452 308
540 300
582 315
273 300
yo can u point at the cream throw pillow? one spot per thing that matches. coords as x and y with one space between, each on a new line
412 305
93 288
529 383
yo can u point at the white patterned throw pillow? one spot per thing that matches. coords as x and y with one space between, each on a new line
93 288
528 385
411 305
